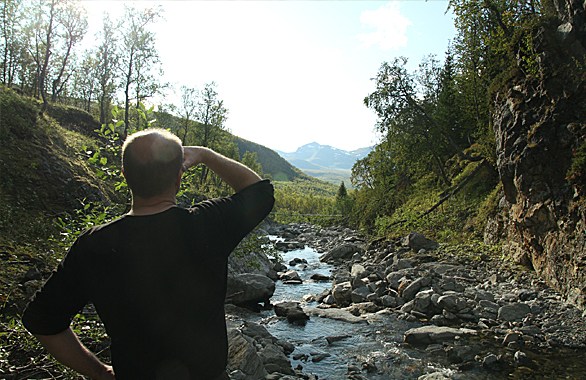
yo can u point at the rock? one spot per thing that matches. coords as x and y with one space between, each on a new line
297 261
521 358
513 312
511 337
488 305
31 274
461 354
290 277
433 376
242 356
394 279
320 277
404 264
251 262
342 252
434 334
451 303
362 308
289 245
360 294
411 290
489 361
336 338
422 302
483 295
329 300
389 301
274 360
338 314
317 357
292 311
417 241
358 271
342 293
249 288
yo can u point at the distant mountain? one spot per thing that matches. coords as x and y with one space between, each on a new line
325 162
272 163
315 156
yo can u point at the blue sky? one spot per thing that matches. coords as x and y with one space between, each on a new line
292 72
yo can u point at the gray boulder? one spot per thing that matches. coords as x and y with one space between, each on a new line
290 277
249 288
513 312
274 360
342 252
342 293
417 241
242 356
292 311
434 334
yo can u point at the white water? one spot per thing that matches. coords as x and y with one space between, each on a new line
377 342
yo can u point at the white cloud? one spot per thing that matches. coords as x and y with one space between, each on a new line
389 27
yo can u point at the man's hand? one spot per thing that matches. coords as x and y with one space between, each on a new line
193 156
235 174
108 374
68 350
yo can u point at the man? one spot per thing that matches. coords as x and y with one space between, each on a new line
157 275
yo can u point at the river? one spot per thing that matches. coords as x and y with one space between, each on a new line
374 350
375 346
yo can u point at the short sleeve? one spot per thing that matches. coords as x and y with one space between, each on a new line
230 219
53 307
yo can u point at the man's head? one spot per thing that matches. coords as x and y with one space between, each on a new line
151 162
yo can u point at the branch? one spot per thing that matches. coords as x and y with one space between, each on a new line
455 190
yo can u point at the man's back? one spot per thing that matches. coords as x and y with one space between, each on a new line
158 283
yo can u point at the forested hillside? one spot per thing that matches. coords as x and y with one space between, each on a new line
488 142
273 164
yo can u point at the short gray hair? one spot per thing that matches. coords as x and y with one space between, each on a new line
152 159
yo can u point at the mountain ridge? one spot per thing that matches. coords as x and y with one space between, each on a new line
313 156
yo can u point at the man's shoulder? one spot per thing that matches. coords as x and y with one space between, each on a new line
102 230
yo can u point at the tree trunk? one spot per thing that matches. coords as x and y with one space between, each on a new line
44 68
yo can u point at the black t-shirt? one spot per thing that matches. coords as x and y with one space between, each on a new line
158 283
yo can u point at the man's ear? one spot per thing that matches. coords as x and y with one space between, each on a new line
178 181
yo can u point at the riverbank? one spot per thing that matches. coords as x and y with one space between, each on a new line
476 316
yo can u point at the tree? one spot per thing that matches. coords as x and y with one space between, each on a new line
11 38
85 80
250 159
342 192
211 115
187 109
106 65
45 34
72 23
138 53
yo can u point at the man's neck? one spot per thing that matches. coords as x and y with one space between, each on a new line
153 205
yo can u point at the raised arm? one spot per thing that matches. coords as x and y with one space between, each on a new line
235 174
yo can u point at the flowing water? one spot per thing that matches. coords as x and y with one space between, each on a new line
376 344
375 349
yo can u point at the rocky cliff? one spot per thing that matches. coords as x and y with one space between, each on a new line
539 118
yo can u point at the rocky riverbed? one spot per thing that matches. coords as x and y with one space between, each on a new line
473 314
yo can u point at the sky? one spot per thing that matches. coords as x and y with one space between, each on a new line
290 72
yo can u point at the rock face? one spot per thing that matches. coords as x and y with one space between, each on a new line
539 120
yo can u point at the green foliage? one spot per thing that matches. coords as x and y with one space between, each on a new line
272 164
577 172
304 201
257 242
18 116
250 159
